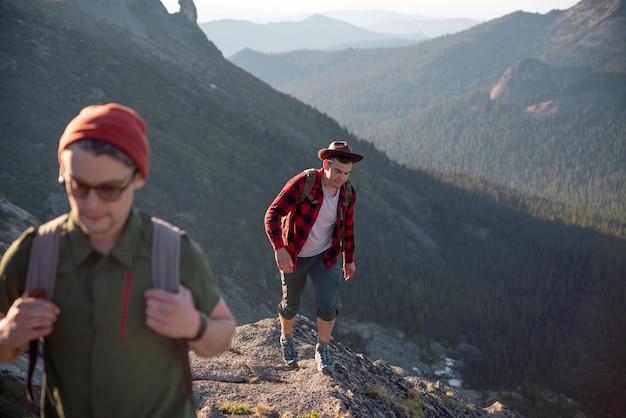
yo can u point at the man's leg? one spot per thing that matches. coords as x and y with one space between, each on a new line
327 283
286 326
292 290
324 329
323 359
287 343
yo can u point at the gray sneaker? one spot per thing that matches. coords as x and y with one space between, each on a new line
290 355
323 359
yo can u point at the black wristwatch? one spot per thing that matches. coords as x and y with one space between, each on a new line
203 323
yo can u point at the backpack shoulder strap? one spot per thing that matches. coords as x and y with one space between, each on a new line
44 258
41 278
166 275
309 181
165 255
347 196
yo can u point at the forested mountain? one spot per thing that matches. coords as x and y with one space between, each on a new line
429 105
537 292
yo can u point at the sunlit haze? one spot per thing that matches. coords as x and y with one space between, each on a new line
256 10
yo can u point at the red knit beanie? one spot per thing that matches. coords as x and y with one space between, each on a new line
113 123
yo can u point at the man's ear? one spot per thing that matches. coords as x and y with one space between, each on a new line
140 181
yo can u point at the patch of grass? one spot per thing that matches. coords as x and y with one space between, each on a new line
378 392
448 400
412 405
262 410
235 409
413 402
451 403
311 414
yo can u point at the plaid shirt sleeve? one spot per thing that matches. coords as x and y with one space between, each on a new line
284 203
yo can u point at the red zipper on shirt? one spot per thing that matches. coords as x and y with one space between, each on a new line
129 280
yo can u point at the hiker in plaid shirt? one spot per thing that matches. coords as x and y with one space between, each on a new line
308 230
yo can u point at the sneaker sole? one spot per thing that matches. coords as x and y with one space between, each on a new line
293 365
327 372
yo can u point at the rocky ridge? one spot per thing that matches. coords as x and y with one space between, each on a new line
251 374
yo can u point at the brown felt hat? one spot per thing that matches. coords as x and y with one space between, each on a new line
339 149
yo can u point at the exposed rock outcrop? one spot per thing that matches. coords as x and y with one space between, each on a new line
188 9
13 221
530 77
173 37
543 90
252 374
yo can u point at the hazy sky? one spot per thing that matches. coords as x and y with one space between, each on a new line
260 9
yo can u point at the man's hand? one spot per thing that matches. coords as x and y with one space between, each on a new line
172 315
348 271
283 260
28 319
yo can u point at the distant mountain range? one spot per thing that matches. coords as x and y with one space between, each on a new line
332 30
386 21
427 105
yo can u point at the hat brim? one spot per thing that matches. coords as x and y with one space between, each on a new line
326 153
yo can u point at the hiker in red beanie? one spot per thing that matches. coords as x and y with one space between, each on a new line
127 294
309 225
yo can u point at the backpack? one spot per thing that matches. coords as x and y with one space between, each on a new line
311 175
42 272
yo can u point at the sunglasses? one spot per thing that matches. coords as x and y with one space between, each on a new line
105 191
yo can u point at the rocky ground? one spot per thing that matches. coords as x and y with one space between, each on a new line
251 375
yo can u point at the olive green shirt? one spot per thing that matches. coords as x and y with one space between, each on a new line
98 363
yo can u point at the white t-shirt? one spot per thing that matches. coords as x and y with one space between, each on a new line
321 235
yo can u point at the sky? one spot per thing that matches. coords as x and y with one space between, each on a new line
261 10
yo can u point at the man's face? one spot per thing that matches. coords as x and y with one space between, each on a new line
336 172
102 220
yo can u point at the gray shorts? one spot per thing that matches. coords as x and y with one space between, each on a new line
326 283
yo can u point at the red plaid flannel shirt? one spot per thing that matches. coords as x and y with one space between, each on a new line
293 231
